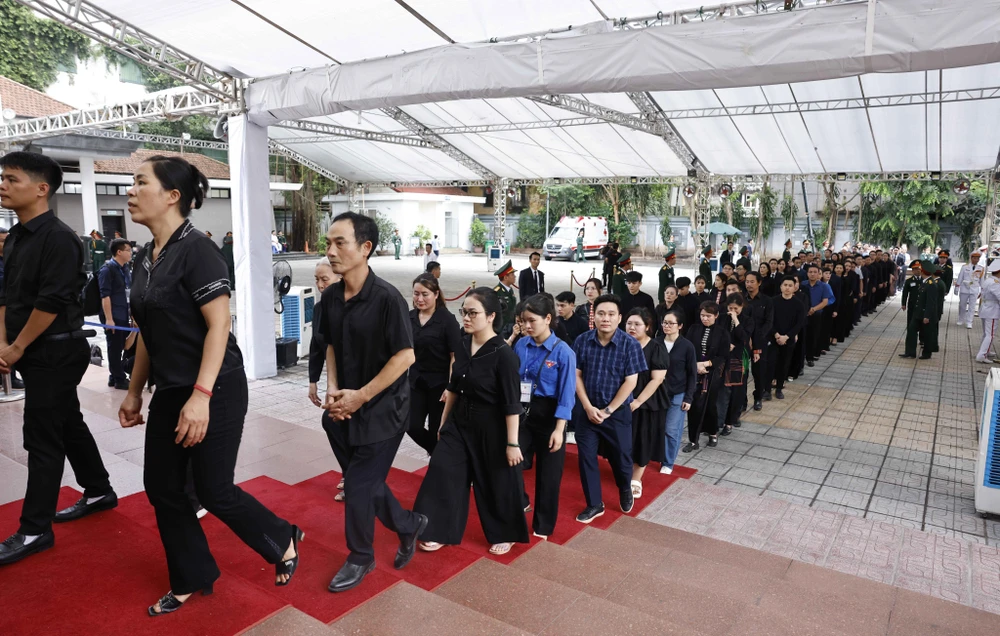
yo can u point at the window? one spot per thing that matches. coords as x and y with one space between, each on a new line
130 73
219 193
72 188
123 190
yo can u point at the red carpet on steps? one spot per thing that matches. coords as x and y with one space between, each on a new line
106 569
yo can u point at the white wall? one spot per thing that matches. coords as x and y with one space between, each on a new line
408 214
93 84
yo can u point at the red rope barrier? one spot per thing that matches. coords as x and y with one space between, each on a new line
460 295
578 283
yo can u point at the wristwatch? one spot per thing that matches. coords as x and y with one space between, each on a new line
607 411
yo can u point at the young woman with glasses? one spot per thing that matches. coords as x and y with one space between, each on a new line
682 374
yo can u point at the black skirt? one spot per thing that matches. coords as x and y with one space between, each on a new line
648 436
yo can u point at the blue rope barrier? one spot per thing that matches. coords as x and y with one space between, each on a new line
103 326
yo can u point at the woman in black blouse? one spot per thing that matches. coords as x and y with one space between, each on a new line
437 340
649 398
767 284
592 289
732 391
478 443
682 373
180 301
711 343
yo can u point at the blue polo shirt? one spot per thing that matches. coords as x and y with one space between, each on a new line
818 292
605 367
115 281
555 377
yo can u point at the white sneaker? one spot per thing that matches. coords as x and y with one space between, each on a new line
201 513
968 326
666 470
571 437
984 360
959 323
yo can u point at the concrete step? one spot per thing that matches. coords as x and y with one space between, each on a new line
407 610
290 622
542 606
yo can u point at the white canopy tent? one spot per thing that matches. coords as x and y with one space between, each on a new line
501 92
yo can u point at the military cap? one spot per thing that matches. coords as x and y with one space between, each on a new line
944 253
916 263
707 251
669 255
744 250
507 268
625 258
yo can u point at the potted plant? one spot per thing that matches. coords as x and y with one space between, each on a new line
424 236
477 235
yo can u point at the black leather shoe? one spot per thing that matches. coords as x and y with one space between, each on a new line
350 576
13 549
767 396
408 545
592 512
906 355
81 508
758 405
122 386
16 383
626 500
926 356
810 363
779 394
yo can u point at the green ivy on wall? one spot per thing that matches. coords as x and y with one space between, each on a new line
32 49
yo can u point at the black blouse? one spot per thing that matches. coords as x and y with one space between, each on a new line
717 347
489 378
657 359
317 346
434 342
166 300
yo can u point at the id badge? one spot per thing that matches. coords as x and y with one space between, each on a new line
526 392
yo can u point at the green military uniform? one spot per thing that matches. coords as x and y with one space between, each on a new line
947 272
666 274
580 256
910 288
787 254
705 267
508 302
618 286
98 252
925 307
397 243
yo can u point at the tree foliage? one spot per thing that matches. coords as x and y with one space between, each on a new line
905 212
789 211
530 230
968 216
33 48
477 232
386 227
762 223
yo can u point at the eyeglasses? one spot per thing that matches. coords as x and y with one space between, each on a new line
469 313
670 324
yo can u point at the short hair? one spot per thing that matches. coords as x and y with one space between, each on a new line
729 265
539 304
608 298
789 278
365 229
431 266
533 255
431 283
35 165
633 277
709 307
323 262
812 266
645 316
175 173
567 297
757 276
734 299
118 245
683 282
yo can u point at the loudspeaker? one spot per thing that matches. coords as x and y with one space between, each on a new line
285 348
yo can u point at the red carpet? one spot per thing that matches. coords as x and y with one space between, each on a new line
106 569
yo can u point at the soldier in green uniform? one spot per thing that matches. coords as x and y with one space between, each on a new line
580 256
508 302
618 286
98 251
787 254
910 287
744 259
666 274
919 312
397 242
705 267
947 270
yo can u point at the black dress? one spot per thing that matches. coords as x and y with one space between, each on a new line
473 450
714 346
649 420
434 343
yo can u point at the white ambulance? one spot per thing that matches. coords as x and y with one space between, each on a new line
561 243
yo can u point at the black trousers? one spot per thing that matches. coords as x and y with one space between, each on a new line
730 401
366 494
703 416
533 436
814 335
426 405
782 357
54 430
616 433
472 450
213 461
762 372
116 343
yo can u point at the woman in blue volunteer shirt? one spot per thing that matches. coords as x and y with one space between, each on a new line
548 386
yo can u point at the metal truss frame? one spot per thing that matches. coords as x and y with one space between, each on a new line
156 107
277 148
500 210
437 142
652 112
608 115
138 45
331 130
160 140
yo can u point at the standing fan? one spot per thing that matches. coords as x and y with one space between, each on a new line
281 277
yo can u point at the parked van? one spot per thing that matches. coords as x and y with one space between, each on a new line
561 243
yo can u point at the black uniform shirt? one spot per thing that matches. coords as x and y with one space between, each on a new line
433 345
365 332
43 269
167 296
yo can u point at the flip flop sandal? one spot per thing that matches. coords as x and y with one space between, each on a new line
430 546
636 488
501 548
340 496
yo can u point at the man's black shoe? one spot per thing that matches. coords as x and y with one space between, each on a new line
123 385
779 394
758 405
906 355
926 356
16 383
350 576
810 363
81 508
626 500
767 396
592 512
13 549
408 545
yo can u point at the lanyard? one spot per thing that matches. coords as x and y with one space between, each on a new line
538 373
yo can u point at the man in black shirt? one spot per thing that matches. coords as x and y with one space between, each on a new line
789 321
574 323
635 297
41 320
369 349
762 310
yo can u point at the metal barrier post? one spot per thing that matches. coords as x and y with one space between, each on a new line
9 394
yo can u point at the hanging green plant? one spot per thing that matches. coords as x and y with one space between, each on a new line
762 223
789 212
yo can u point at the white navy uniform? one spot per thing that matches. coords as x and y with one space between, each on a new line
989 311
968 286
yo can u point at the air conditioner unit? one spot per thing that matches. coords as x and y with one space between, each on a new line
988 465
296 319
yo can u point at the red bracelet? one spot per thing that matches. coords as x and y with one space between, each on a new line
198 387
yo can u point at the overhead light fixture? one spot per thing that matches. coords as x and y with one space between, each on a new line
725 190
9 114
692 173
841 176
557 180
935 176
961 186
633 180
511 192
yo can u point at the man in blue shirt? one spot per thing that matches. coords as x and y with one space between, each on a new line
115 280
608 363
820 296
